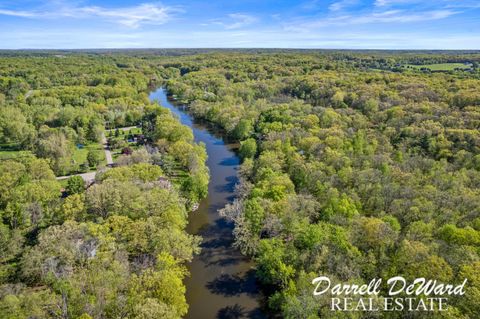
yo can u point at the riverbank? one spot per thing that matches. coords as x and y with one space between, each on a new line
222 283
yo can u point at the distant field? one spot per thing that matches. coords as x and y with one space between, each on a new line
440 66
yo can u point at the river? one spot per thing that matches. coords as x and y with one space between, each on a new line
222 282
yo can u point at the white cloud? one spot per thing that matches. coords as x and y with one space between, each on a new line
340 5
389 16
401 16
236 21
132 17
232 38
466 4
23 14
384 3
374 27
312 4
240 20
429 3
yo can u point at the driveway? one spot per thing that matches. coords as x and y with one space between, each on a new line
108 153
87 177
90 177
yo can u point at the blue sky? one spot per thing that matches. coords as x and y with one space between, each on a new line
345 24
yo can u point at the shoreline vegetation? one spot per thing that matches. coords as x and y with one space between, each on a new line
354 166
117 247
346 171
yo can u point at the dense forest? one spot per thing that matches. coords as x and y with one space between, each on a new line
353 167
348 171
116 248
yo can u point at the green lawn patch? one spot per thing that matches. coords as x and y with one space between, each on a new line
6 155
12 151
117 152
122 132
80 153
63 182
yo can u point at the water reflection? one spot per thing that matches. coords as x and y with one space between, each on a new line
231 161
236 311
234 285
222 283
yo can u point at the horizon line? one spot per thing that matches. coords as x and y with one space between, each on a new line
233 48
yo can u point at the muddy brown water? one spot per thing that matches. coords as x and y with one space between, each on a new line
222 282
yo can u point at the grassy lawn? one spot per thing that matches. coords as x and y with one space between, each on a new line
63 183
117 152
5 155
80 154
12 151
135 130
440 66
123 134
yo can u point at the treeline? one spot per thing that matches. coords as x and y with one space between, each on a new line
50 105
347 173
114 249
396 62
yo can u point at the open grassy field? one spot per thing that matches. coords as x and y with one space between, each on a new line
124 131
440 66
80 154
117 152
5 155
